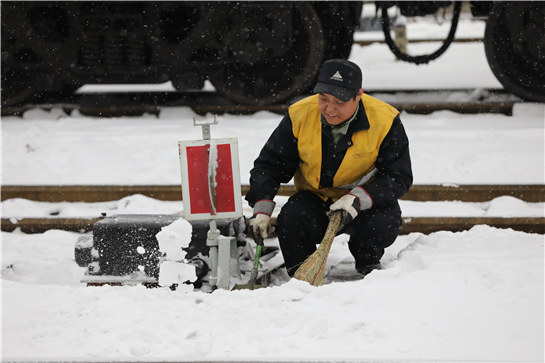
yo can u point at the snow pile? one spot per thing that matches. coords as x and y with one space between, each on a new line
529 110
475 295
512 207
45 258
505 206
172 240
133 204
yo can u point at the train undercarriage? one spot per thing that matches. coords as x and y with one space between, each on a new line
253 53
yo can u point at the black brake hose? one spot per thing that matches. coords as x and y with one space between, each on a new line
420 59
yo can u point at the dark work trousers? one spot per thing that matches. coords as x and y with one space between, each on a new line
302 223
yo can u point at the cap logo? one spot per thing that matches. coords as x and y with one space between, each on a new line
337 77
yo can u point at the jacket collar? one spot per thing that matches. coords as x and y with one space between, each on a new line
361 122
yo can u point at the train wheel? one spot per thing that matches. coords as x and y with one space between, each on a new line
338 39
255 71
515 47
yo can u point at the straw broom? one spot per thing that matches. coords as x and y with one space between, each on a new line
313 269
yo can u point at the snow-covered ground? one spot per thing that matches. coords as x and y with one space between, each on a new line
470 296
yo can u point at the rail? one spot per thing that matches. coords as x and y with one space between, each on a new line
366 42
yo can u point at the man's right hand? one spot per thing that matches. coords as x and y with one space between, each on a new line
260 221
261 225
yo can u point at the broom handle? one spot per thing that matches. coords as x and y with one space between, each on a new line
331 231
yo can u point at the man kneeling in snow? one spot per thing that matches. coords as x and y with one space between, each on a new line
346 151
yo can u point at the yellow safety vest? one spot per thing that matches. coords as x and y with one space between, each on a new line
360 157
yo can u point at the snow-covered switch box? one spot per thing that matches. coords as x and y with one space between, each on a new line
210 179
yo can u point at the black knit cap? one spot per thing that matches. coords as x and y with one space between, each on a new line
340 78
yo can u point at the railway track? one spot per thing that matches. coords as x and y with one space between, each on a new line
466 193
137 103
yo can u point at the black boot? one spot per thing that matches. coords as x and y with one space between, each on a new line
365 270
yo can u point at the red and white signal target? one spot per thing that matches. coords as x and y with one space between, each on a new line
210 179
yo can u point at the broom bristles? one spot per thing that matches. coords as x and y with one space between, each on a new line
313 269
